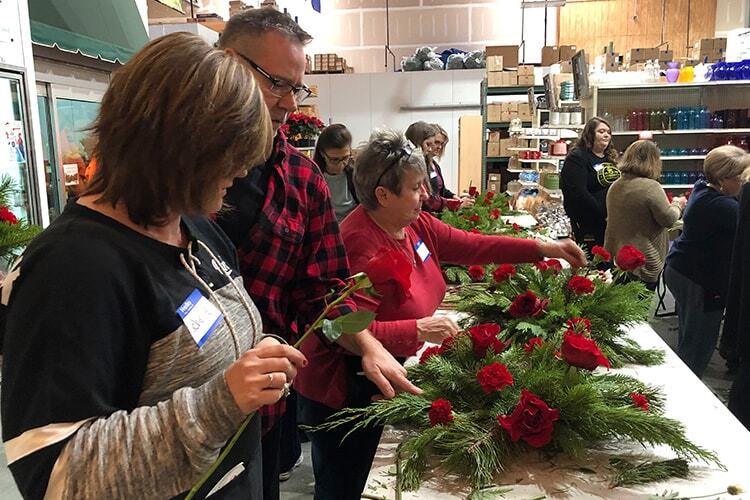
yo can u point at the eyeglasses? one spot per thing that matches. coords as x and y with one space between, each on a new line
397 155
280 88
335 161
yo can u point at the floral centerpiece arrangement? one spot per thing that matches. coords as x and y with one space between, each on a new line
302 129
531 373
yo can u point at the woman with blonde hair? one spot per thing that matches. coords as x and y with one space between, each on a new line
639 212
697 271
147 353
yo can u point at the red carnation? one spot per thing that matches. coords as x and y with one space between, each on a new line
580 285
532 420
494 377
602 253
532 344
7 216
475 230
554 264
484 336
516 227
541 265
582 352
579 325
475 218
639 400
503 272
629 258
495 213
441 412
387 268
476 273
430 352
447 343
527 304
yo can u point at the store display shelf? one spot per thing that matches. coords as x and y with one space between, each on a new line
541 160
504 124
676 186
566 127
529 184
523 149
498 158
687 157
521 170
689 131
652 85
521 89
570 103
552 192
535 137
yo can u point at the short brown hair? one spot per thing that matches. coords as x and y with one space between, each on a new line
420 131
641 159
257 22
176 118
725 162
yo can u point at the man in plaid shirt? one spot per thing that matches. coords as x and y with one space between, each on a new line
281 220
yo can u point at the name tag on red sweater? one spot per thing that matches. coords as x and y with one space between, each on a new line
422 250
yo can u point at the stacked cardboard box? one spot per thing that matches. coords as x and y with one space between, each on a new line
525 75
641 55
554 54
710 49
509 53
330 63
506 111
494 71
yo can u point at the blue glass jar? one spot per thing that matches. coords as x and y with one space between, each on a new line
684 178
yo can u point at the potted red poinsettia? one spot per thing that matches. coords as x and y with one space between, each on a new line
302 130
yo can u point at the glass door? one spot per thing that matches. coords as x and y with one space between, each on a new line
51 169
14 155
74 117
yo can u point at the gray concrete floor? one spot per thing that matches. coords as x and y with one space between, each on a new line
300 485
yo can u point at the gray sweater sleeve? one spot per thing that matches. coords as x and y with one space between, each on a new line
151 452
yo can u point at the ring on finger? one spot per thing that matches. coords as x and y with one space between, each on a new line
270 380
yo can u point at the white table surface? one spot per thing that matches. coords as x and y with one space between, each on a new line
707 421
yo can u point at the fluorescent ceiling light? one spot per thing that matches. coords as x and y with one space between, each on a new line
533 4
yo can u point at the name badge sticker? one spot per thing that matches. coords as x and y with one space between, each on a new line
422 250
433 174
200 316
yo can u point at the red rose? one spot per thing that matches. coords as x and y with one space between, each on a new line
473 191
484 336
390 266
580 285
527 304
489 195
554 264
494 377
430 352
532 344
441 412
601 252
516 227
579 325
582 352
447 343
541 265
475 218
532 420
503 272
639 400
629 258
7 216
476 273
495 213
475 230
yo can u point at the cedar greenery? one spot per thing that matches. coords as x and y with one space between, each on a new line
13 235
593 407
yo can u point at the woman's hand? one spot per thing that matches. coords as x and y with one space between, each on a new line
467 202
258 378
566 249
435 329
680 201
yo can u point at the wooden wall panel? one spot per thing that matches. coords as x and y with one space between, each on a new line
592 24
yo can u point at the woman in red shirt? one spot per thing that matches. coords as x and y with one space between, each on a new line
390 181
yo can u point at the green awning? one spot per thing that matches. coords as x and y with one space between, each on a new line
111 30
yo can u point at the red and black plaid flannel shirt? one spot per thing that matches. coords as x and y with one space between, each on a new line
292 255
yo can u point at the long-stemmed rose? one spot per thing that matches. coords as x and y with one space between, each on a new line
484 336
390 267
582 352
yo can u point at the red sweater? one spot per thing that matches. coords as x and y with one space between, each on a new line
324 378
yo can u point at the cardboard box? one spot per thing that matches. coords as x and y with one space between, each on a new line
494 136
526 80
494 112
566 52
493 183
704 44
524 112
504 145
550 55
566 67
641 55
666 55
510 79
525 70
512 107
495 79
493 149
494 63
720 43
509 53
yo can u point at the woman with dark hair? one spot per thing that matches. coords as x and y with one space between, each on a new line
587 173
431 138
150 353
333 154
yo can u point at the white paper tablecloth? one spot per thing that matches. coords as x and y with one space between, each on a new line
707 421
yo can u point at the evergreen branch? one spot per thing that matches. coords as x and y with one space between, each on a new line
629 473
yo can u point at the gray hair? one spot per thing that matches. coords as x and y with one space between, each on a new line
383 161
257 22
725 162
